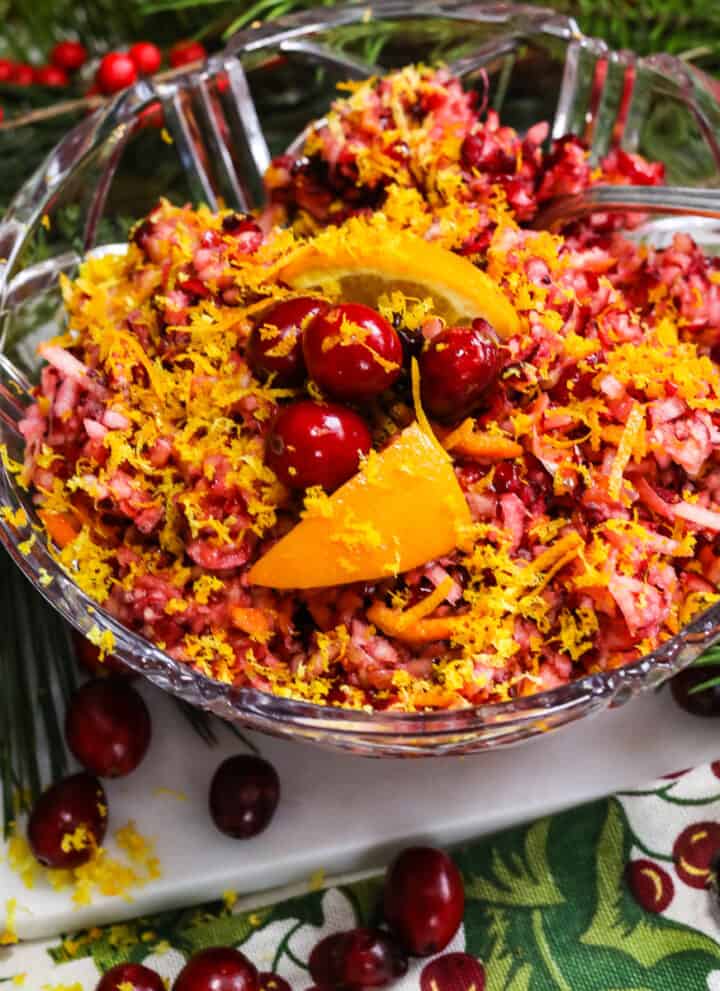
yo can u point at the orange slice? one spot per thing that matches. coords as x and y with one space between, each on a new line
403 508
359 262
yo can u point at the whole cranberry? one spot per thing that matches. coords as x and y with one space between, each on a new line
6 70
359 958
185 52
327 960
457 368
67 823
218 968
275 344
51 75
116 72
352 352
146 57
371 959
454 972
108 727
424 900
244 794
698 703
316 444
68 55
130 977
22 75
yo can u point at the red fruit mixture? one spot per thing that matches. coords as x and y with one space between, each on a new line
590 462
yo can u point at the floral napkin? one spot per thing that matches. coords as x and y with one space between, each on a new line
616 895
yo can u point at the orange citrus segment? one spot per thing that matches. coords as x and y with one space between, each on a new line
358 263
403 508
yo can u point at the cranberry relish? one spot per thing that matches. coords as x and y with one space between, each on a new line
587 444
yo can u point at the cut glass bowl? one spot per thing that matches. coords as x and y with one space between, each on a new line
222 124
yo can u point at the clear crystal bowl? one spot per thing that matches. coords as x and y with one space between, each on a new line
221 125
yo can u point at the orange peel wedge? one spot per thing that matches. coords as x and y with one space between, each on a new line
403 508
359 262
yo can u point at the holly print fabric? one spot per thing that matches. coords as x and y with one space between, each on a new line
611 896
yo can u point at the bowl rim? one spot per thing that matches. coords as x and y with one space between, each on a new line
267 708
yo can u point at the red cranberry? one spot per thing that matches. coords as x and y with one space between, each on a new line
456 369
650 884
68 55
703 703
116 72
185 52
371 959
6 70
146 57
51 75
694 851
352 352
108 727
317 444
359 958
76 808
219 968
424 900
453 972
327 960
130 977
244 795
275 343
271 982
88 657
23 75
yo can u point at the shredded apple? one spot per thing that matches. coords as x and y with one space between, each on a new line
587 468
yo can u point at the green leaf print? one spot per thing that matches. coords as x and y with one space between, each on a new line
502 972
649 939
548 909
520 879
227 930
